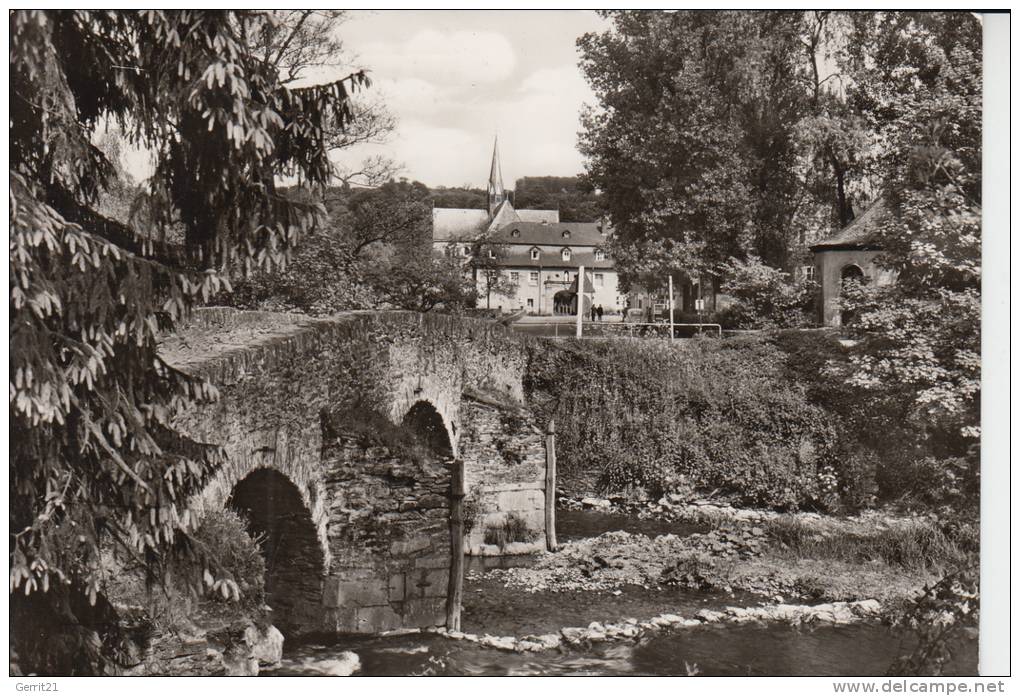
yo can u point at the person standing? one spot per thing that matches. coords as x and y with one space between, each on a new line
593 313
598 311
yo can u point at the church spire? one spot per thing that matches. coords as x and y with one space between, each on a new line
496 192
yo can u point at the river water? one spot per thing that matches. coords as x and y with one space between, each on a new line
731 650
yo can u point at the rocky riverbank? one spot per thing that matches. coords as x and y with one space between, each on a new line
835 613
242 648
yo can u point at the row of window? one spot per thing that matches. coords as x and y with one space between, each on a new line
536 253
517 233
515 277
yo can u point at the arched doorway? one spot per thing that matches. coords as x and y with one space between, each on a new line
565 302
851 274
424 420
278 519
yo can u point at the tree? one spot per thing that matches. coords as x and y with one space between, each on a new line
304 45
95 458
922 335
462 197
765 297
662 146
488 267
421 279
575 201
692 145
919 340
328 272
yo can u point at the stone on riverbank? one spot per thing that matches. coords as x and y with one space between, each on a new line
345 664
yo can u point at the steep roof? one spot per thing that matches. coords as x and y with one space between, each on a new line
495 172
551 216
861 233
456 223
579 234
503 215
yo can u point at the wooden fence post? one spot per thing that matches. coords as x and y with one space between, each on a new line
455 589
550 486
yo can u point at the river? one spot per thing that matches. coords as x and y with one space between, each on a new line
710 649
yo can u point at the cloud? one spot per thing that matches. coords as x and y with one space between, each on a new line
443 57
406 96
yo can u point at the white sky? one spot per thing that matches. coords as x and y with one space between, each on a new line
454 79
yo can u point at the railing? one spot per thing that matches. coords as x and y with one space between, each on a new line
615 329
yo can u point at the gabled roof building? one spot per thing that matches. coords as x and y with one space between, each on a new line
849 255
539 254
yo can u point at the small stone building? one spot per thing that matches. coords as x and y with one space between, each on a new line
849 255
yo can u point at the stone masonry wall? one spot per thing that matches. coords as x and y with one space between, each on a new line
389 527
381 520
504 472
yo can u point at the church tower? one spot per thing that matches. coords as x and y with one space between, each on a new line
496 192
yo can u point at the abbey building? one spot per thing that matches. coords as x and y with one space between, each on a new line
537 255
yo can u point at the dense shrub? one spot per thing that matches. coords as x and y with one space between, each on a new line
715 415
765 297
241 570
768 419
512 529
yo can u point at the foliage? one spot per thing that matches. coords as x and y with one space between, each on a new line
329 272
918 546
471 508
575 201
720 134
947 610
764 296
94 455
922 335
888 449
305 45
421 279
649 75
718 416
240 567
488 266
768 419
460 197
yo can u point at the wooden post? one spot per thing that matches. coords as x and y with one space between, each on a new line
550 486
455 588
580 299
671 329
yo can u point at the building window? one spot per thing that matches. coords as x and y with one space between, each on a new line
534 254
599 279
464 251
515 277
492 254
531 303
533 278
566 234
807 272
515 233
600 255
565 254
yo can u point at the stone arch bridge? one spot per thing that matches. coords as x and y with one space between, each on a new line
340 434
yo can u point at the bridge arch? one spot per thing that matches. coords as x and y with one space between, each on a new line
282 524
306 413
424 419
